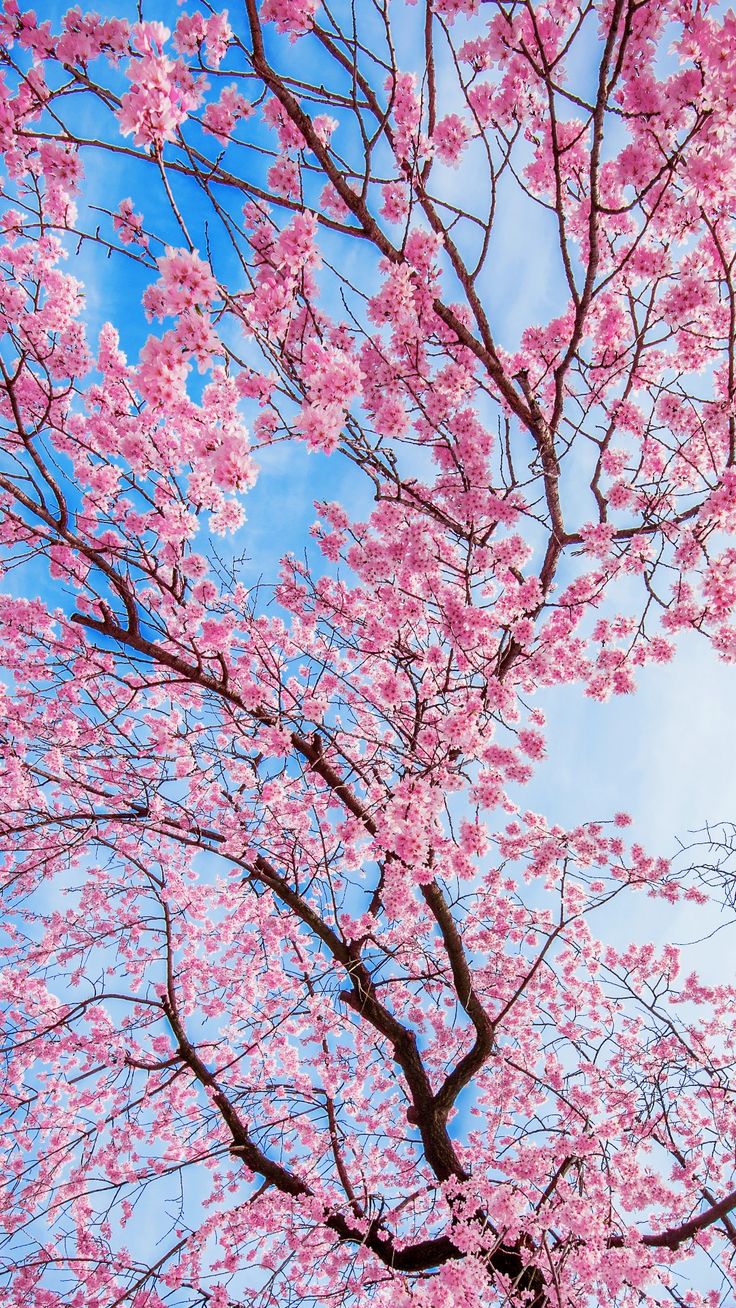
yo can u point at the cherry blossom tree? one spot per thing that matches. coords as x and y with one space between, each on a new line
301 1004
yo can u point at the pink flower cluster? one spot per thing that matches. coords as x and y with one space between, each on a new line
293 17
129 225
163 92
220 116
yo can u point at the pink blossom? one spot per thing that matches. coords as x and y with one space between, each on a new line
220 116
449 138
162 93
129 225
291 16
185 283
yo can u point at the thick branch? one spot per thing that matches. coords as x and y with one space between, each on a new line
466 1069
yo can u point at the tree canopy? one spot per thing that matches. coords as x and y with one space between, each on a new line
301 1003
